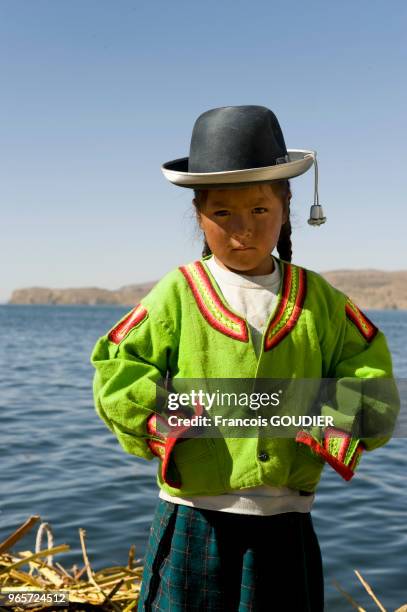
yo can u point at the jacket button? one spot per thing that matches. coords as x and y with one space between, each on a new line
263 456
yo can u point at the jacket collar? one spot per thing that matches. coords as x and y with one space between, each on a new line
220 316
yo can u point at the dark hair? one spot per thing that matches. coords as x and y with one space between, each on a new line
283 190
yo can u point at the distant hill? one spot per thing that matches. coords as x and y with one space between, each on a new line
128 295
374 289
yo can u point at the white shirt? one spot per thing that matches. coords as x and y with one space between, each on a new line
254 298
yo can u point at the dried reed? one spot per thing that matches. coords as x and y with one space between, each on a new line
371 593
114 588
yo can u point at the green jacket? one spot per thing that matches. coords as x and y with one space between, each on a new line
184 327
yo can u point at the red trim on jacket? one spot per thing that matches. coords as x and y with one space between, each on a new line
271 342
242 334
134 318
163 448
345 471
361 321
333 432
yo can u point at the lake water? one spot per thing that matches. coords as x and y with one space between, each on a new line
59 460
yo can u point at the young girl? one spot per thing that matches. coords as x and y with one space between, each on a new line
232 530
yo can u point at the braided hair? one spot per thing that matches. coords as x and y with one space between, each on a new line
284 246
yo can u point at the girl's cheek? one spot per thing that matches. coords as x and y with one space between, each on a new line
267 225
220 230
261 227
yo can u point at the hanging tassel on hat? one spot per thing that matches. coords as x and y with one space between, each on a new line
316 212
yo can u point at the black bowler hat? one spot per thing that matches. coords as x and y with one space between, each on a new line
239 146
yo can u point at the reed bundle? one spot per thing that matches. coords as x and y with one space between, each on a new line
114 588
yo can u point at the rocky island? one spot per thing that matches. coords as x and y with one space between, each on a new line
375 289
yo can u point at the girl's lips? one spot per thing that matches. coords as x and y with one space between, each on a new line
242 248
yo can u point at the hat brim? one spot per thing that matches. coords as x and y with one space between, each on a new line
176 171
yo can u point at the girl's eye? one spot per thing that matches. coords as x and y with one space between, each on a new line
259 210
221 213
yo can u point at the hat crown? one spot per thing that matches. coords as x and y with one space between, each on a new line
236 138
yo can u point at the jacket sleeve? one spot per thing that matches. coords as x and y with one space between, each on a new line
366 399
361 395
129 362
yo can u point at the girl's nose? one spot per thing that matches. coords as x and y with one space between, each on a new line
240 226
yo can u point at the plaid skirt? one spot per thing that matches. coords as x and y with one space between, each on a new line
205 560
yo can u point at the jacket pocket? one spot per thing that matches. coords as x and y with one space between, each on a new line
307 452
306 469
197 464
191 450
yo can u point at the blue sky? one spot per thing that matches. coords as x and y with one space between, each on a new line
97 94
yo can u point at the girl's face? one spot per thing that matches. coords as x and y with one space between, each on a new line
242 227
